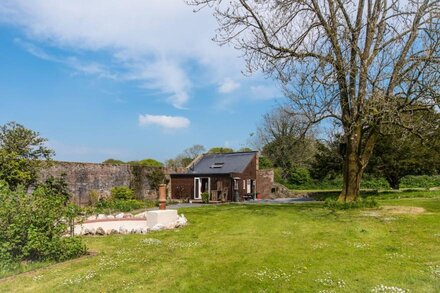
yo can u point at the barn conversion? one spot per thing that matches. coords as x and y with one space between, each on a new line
224 177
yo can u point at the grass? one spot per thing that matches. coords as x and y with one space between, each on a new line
261 248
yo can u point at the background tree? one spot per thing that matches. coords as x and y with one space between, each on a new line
363 63
400 154
281 138
194 151
186 157
220 150
113 161
22 154
147 163
328 161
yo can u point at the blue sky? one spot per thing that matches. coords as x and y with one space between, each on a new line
124 79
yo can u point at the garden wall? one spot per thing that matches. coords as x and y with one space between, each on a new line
83 178
265 182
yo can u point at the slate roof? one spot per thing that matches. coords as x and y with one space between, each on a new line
222 163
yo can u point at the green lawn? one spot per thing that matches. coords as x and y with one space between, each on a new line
261 248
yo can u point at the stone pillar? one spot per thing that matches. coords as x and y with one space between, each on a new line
162 196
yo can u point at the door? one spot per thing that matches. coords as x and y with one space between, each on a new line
197 188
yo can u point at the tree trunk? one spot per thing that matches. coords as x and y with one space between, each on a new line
393 181
352 178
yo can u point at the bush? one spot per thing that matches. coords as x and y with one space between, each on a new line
122 193
205 197
94 197
423 181
32 226
333 204
299 176
112 206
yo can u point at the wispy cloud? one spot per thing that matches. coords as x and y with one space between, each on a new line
89 68
228 86
167 122
138 35
165 76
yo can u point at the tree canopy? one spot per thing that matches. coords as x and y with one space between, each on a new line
220 150
22 154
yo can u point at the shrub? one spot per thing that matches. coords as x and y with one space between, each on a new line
156 177
112 206
205 197
32 226
299 176
127 205
94 196
122 193
423 181
333 204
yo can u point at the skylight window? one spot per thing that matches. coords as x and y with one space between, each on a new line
217 165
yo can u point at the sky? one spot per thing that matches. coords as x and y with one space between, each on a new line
125 79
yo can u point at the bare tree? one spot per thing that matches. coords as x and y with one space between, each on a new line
365 63
194 151
281 138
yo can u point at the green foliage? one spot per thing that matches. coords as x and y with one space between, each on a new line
299 176
22 154
220 150
265 163
289 153
147 163
94 197
32 226
113 206
59 187
400 154
114 162
245 149
122 193
278 176
205 197
423 181
156 177
369 202
328 161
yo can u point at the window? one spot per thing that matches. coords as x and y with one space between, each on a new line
248 187
244 184
217 165
236 184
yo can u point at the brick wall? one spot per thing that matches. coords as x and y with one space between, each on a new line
265 182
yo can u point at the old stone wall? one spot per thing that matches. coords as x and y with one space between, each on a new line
83 178
265 182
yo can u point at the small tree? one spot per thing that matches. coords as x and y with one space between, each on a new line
32 225
22 154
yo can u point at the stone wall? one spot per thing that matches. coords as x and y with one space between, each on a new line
265 182
82 178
